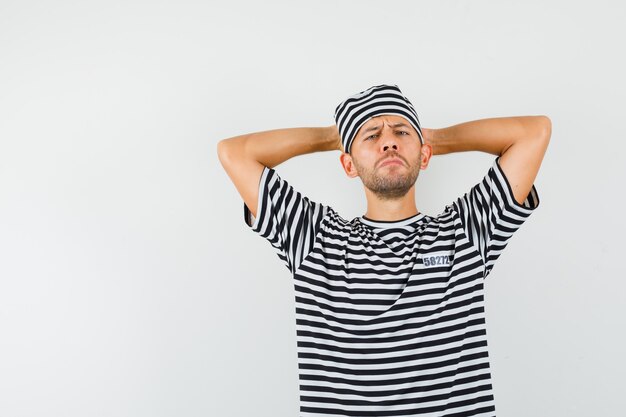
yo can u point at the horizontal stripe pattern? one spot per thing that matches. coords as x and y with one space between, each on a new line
390 316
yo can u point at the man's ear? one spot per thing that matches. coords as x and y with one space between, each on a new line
348 165
426 152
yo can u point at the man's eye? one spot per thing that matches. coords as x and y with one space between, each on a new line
371 136
402 131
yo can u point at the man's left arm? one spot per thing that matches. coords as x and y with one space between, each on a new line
521 143
493 209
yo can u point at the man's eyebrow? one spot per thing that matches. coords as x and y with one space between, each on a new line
399 124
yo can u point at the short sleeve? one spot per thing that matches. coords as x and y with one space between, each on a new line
490 214
286 218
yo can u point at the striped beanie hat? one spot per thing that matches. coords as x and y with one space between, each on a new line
353 112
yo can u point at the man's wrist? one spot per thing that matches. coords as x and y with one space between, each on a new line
431 137
333 138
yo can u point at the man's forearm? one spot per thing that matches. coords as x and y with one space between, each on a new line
272 147
493 135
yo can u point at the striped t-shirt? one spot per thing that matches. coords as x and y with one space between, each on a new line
390 315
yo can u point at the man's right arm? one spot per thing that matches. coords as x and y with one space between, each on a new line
244 157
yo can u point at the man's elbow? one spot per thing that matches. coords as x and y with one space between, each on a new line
546 127
539 130
224 151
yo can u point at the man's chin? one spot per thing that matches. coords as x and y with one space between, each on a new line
394 172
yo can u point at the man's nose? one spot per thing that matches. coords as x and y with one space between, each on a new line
388 140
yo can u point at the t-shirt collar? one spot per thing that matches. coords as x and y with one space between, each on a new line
391 223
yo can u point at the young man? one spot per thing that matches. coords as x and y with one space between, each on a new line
390 305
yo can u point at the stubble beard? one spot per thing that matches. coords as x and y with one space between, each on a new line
389 183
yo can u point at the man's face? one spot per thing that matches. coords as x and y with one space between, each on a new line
386 156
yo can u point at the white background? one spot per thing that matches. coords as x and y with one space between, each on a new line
129 282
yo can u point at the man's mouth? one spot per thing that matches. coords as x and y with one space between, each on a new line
391 161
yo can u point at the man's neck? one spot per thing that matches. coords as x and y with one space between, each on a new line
391 210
